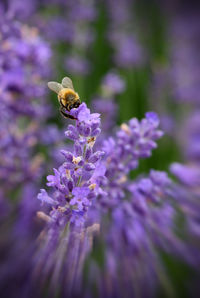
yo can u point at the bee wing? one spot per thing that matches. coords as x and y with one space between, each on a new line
67 83
54 86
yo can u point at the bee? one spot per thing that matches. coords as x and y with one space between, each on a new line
67 97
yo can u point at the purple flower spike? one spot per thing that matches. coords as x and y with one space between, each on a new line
75 185
113 83
133 141
72 181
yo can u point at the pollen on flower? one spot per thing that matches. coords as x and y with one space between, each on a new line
125 128
91 141
76 160
92 186
62 209
122 179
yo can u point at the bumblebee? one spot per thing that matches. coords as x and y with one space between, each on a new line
67 97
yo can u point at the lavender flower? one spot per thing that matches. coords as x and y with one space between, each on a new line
129 53
56 26
186 194
133 142
187 174
24 61
101 232
133 234
86 184
76 185
17 10
130 247
24 64
113 84
134 220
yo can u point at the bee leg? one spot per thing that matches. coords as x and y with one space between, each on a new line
67 115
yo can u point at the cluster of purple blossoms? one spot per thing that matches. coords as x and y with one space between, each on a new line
75 187
24 65
103 232
133 236
71 28
133 141
93 195
91 186
112 84
77 182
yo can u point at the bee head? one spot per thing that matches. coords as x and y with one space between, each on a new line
74 105
69 98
